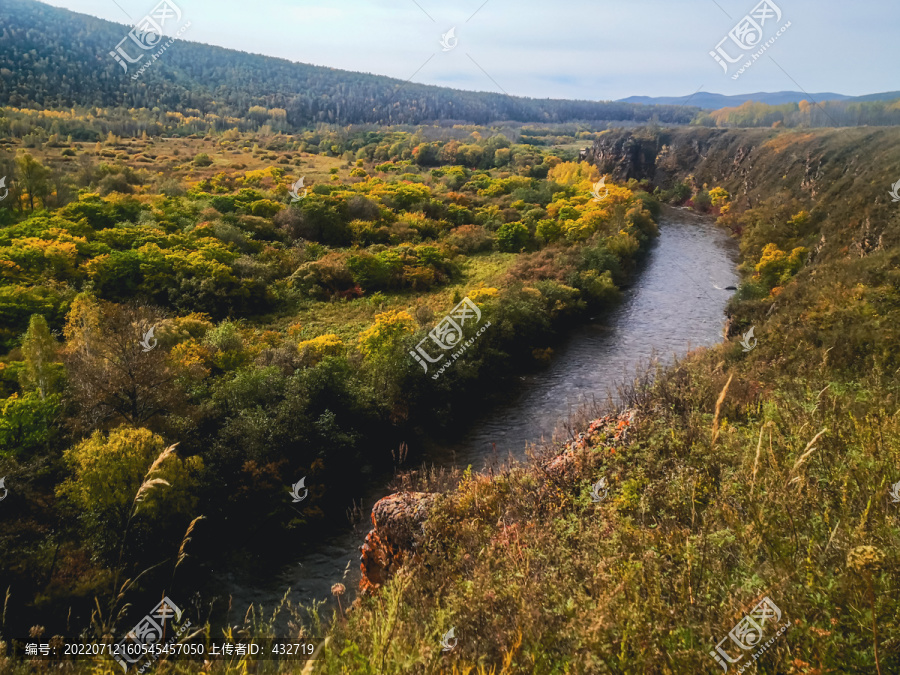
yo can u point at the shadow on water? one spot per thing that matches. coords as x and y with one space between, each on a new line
675 304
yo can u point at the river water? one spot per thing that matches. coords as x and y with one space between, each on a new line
676 304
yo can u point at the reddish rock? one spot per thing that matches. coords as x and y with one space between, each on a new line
604 432
396 520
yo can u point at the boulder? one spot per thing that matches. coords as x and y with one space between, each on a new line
397 520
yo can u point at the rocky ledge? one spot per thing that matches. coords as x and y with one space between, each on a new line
397 519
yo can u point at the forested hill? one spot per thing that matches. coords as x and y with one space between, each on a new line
54 58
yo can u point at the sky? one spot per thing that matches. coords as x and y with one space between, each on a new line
575 49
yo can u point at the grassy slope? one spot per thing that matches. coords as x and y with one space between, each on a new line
709 510
172 157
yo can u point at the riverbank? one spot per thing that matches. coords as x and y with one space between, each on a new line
675 303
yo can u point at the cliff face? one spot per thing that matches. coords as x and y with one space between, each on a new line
849 170
665 156
624 156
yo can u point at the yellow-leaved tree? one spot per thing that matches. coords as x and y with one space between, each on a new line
128 474
383 341
775 267
383 346
313 351
719 197
571 173
42 372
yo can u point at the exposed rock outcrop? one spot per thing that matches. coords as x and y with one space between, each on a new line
711 155
624 156
397 520
603 432
870 239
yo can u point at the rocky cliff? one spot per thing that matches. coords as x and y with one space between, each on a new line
776 168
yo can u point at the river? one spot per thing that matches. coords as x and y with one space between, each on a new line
676 304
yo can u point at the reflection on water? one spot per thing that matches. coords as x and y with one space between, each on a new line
676 304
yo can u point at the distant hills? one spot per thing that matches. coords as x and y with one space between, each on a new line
708 101
54 58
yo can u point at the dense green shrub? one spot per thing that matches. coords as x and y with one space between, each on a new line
513 237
